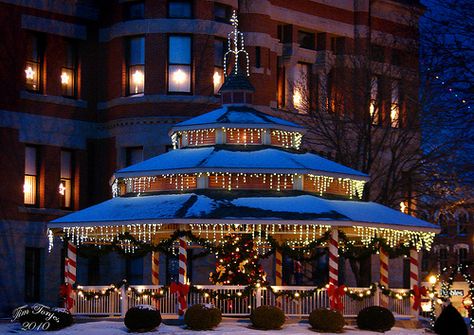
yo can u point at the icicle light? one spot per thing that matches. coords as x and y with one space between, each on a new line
395 237
287 139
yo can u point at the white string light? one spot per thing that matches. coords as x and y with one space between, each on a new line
235 46
395 237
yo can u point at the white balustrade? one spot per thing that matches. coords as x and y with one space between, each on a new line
118 302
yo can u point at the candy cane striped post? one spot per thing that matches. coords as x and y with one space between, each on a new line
333 263
155 268
334 257
383 276
183 267
413 276
278 268
70 264
278 273
155 273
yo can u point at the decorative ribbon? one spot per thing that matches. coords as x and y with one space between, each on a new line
66 291
182 291
220 269
335 297
418 292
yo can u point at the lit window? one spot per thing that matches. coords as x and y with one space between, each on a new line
136 65
395 105
30 182
34 62
68 72
374 100
135 10
179 60
404 207
218 76
301 86
180 9
65 184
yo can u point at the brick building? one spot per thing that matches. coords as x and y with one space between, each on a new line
453 245
90 87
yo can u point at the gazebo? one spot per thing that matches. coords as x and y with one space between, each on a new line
237 171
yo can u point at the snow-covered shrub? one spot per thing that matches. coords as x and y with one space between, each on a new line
64 316
375 318
41 317
267 317
202 317
326 320
450 322
142 318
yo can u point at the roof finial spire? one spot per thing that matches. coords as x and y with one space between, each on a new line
235 46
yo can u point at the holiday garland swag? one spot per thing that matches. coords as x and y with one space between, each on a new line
299 251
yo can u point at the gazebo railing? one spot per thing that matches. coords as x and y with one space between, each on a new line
117 303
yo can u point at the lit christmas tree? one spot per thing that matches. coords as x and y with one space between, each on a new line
238 263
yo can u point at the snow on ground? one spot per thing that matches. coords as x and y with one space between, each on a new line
227 327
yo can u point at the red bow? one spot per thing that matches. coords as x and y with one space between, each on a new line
418 292
335 297
182 291
66 292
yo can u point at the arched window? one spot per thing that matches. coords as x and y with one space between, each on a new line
461 222
443 258
462 252
443 224
462 255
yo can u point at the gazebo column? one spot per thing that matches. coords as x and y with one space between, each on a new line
414 275
335 292
278 268
70 264
383 276
155 268
70 267
183 278
334 257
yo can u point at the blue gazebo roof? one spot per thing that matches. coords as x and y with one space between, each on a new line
236 116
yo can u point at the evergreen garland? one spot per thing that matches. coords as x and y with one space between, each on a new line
302 251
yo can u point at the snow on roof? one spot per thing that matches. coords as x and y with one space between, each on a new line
250 160
251 207
241 115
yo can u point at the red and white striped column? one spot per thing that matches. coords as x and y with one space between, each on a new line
183 268
70 264
383 276
334 257
278 268
155 268
70 267
413 276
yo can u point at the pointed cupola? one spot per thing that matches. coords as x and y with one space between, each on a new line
237 89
